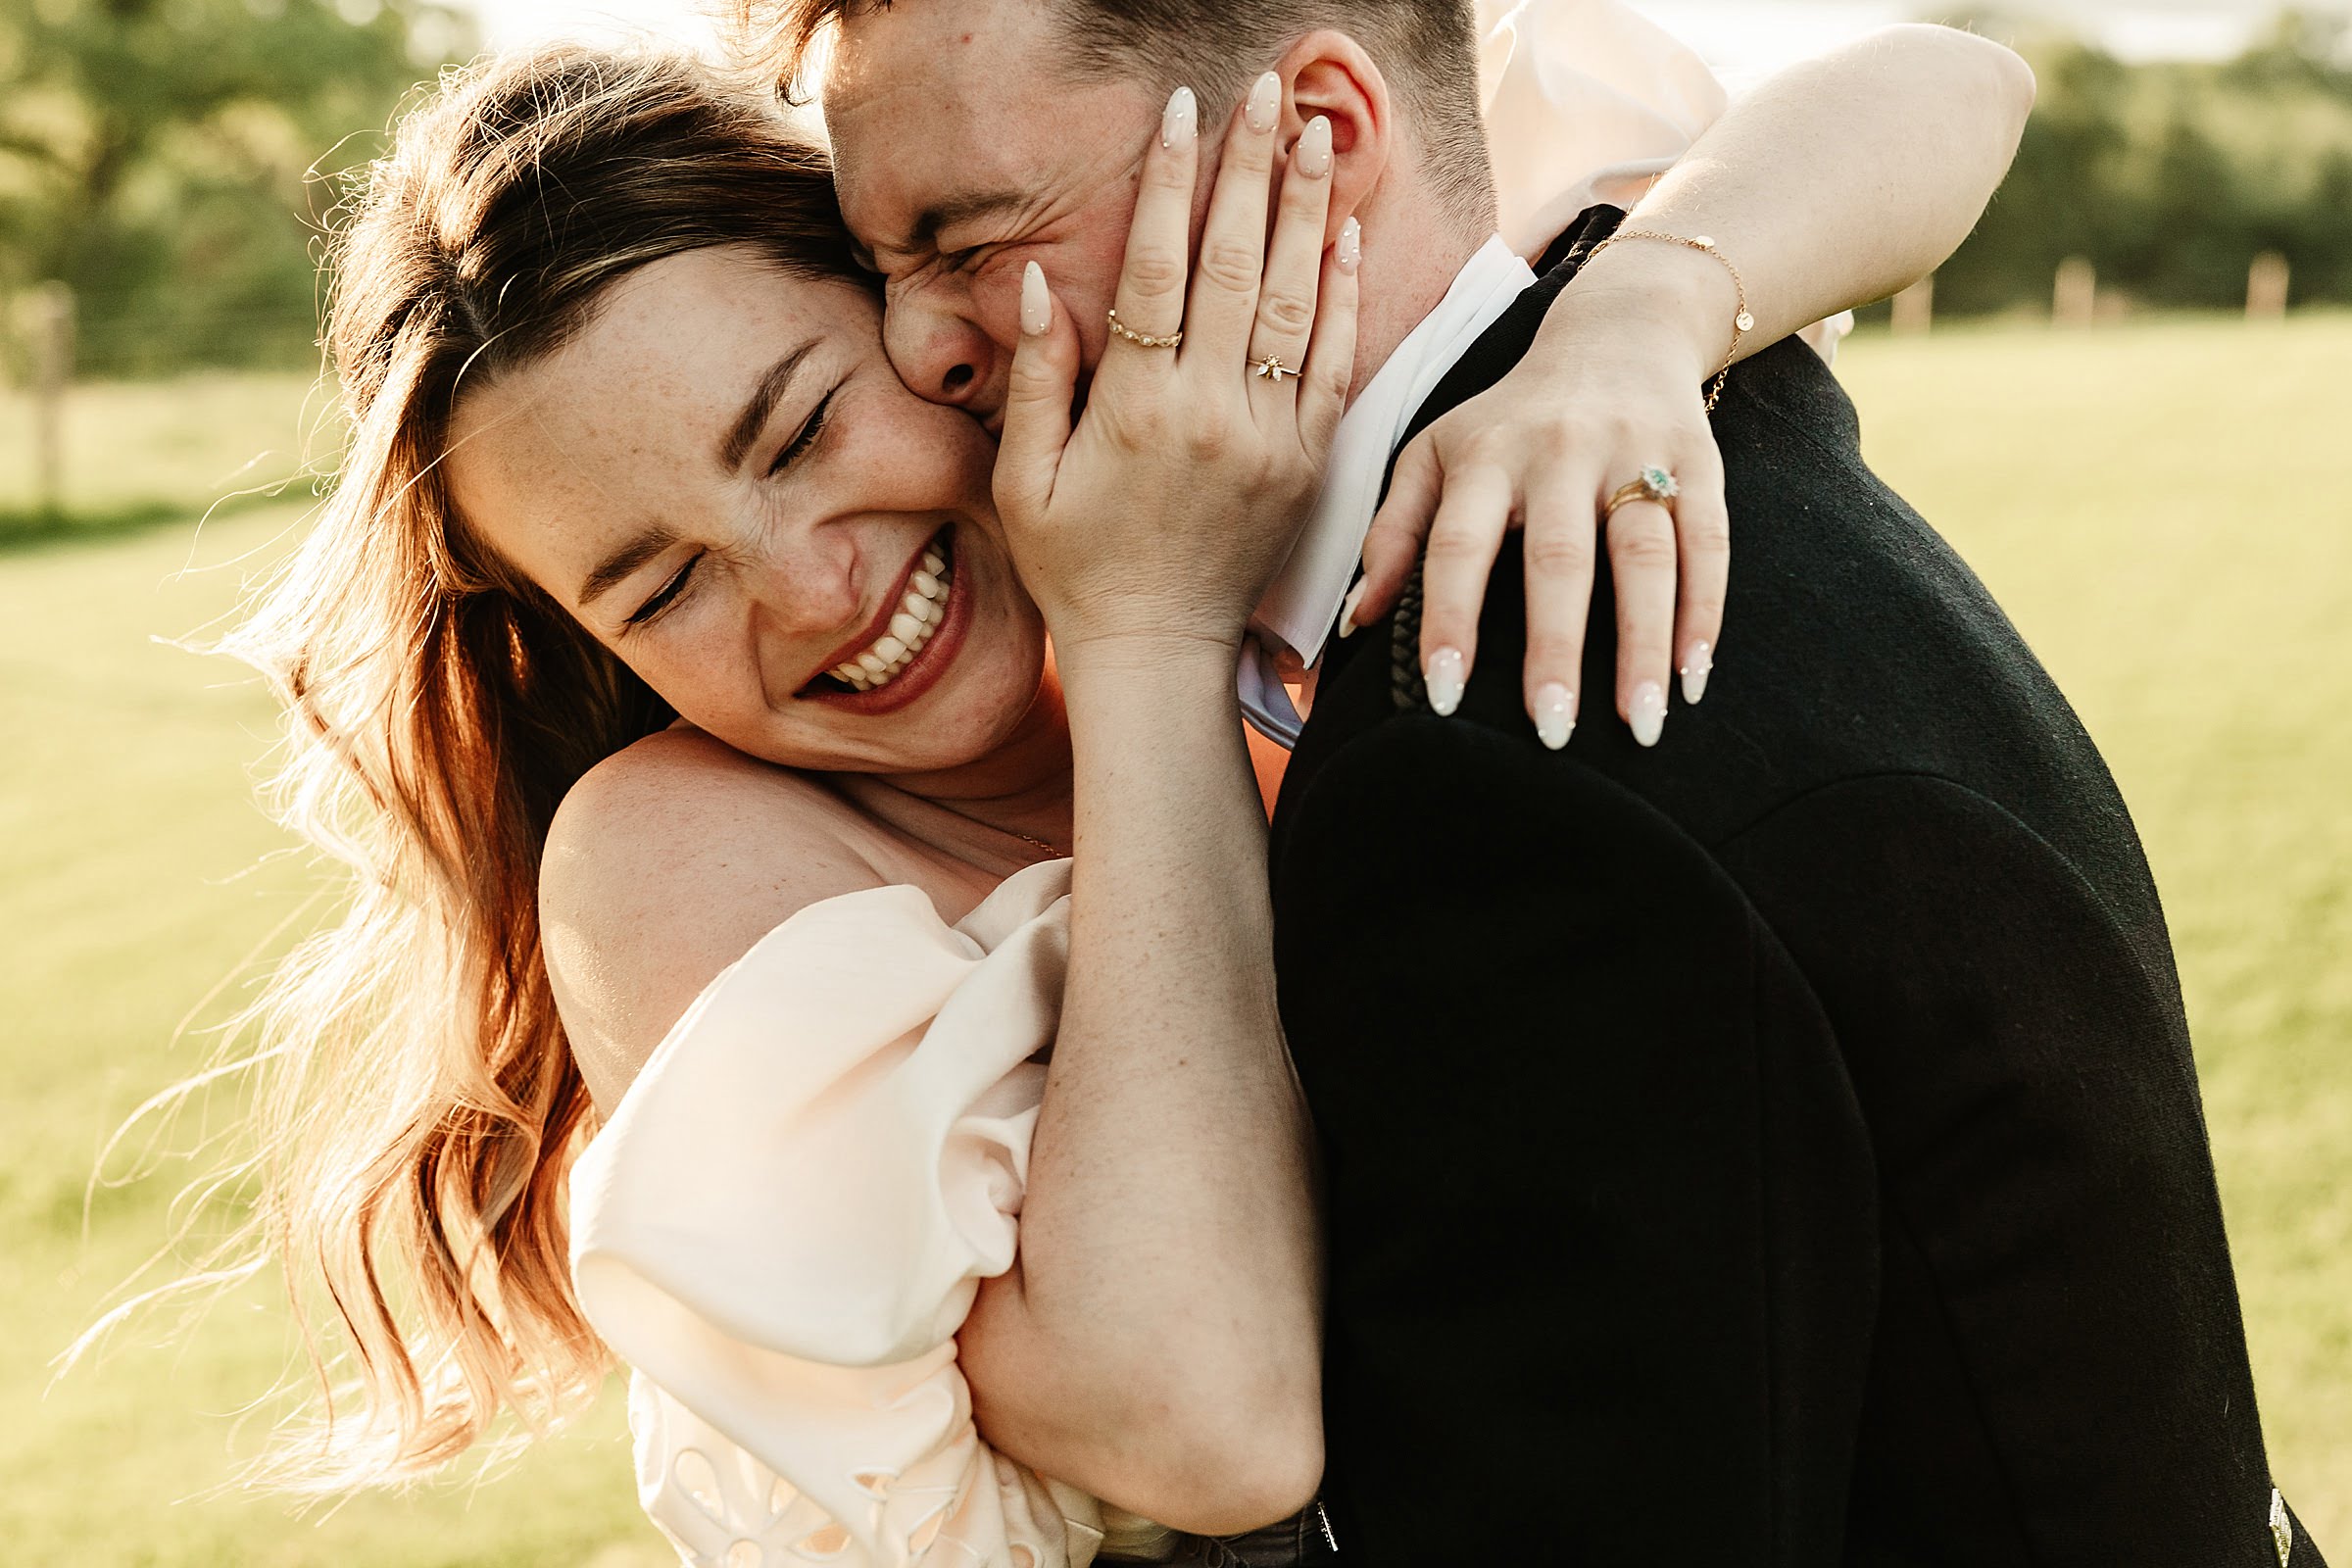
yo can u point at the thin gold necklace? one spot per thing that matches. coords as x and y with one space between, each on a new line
1030 839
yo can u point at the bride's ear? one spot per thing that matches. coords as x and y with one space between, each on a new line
1327 73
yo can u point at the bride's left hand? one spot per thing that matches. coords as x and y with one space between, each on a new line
1543 450
1180 492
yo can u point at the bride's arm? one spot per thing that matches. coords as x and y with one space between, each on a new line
1160 1341
1839 182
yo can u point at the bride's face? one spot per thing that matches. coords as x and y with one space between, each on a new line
722 480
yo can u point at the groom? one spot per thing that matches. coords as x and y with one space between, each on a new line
1781 1147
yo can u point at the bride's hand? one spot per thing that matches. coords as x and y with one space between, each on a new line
1545 450
1180 491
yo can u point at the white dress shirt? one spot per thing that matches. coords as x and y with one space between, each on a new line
1302 608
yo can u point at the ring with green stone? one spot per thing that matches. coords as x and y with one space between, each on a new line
1655 485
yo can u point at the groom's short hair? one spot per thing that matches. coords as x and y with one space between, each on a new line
1428 49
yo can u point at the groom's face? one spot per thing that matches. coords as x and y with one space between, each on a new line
963 149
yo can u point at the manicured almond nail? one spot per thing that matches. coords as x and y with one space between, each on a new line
1036 302
1314 148
1347 608
1444 675
1698 665
1351 245
1555 714
1649 712
1265 103
1181 122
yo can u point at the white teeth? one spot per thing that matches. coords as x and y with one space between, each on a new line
912 627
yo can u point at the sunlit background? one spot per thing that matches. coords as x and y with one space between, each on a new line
2124 402
1741 35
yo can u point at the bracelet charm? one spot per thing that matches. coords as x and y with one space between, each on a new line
1742 323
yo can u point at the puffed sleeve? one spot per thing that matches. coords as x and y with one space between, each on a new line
1587 104
787 1217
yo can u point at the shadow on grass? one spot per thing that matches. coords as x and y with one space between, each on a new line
25 529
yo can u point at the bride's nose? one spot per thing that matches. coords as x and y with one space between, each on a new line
813 590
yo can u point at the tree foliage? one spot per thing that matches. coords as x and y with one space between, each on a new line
2171 177
155 155
159 155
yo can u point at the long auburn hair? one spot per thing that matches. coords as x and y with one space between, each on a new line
418 1106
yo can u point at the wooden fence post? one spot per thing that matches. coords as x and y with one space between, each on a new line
50 307
2076 302
1915 308
2265 288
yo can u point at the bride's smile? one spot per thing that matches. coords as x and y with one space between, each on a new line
721 478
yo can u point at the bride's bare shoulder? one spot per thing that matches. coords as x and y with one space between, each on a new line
665 865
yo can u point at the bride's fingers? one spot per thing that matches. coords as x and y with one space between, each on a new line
1393 545
1233 244
1150 294
1702 525
1643 559
1286 299
1037 402
1331 355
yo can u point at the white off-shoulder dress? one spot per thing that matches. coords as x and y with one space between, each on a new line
786 1219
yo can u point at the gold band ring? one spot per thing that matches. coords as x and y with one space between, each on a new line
1273 369
1144 340
1655 485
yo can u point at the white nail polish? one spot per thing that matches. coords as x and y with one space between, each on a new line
1314 148
1036 302
1351 245
1181 122
1555 714
1695 670
1348 606
1649 712
1445 676
1264 107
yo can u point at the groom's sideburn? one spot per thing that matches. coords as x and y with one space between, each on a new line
1781 1147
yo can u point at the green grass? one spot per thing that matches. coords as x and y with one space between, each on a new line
2162 508
134 454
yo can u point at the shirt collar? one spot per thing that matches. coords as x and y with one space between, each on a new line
1300 609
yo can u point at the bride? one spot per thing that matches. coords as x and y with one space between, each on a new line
680 962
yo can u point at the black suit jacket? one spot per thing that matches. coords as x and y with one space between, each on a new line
1781 1147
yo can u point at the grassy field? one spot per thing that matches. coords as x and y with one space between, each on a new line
2163 507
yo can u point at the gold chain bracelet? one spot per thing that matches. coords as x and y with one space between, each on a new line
1742 325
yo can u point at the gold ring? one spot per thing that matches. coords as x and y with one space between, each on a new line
1656 485
1144 340
1273 369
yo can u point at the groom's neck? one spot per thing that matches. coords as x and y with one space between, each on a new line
1414 247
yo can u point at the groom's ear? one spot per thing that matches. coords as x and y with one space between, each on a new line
1327 73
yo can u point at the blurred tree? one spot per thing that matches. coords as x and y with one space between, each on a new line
155 154
2171 176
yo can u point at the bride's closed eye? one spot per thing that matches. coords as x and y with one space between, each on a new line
805 437
812 431
666 595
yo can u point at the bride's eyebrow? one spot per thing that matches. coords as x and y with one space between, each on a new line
760 405
622 564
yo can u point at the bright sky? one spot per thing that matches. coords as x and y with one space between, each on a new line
1741 36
